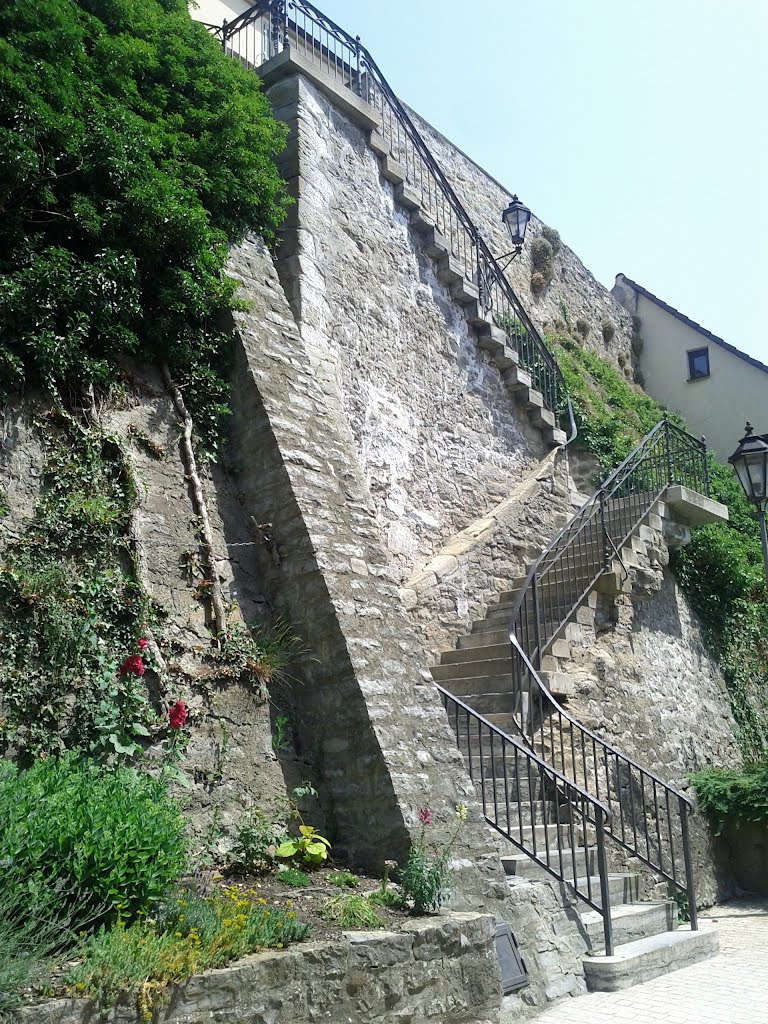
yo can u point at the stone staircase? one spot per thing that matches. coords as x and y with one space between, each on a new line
451 272
648 939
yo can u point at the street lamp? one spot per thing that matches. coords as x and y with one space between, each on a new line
515 218
750 460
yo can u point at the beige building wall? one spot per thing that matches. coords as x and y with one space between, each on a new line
716 406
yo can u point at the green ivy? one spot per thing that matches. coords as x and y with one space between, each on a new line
70 606
133 152
721 570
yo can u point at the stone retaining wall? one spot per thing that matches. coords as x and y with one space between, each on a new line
443 969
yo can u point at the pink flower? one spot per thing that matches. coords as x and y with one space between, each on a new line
142 644
132 666
177 715
425 816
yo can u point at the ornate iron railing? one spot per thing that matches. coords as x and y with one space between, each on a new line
526 800
269 26
649 818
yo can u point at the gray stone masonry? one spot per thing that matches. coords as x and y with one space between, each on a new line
439 437
442 969
369 716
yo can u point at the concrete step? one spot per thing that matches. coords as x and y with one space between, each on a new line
631 921
636 962
523 866
622 888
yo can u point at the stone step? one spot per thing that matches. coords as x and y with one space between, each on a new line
636 962
466 294
523 866
408 196
554 437
477 667
494 637
518 790
559 684
472 653
537 813
631 921
465 688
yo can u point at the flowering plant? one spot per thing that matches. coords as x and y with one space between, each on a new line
177 714
426 877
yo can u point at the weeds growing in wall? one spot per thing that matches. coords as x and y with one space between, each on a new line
721 570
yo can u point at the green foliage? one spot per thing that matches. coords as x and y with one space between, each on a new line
296 879
132 151
70 606
351 911
258 656
721 570
345 879
426 878
552 235
392 898
188 934
113 835
256 840
611 415
727 794
309 847
34 926
541 254
583 328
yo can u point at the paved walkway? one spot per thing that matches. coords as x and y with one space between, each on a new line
731 988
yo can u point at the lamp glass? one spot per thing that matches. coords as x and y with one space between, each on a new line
516 217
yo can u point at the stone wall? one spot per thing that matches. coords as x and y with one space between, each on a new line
649 686
443 970
437 435
574 292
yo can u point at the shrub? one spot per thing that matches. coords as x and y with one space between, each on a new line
541 254
537 283
256 839
622 359
552 235
351 911
113 835
583 327
725 794
608 329
639 378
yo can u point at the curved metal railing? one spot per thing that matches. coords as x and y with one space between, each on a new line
266 28
649 818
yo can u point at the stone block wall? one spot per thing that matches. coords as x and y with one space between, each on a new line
441 970
437 435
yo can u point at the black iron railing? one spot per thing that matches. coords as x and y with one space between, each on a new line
649 818
269 26
544 814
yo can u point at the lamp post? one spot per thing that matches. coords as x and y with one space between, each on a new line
750 461
515 218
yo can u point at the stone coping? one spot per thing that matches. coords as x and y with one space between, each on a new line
439 969
291 62
693 507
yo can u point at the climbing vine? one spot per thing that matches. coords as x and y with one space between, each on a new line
721 570
71 605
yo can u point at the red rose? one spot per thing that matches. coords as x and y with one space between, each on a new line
142 644
177 715
132 666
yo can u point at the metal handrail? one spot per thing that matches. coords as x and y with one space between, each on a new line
345 58
647 811
503 760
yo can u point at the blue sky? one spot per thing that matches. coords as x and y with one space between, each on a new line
637 128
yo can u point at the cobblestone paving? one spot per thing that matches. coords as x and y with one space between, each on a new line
731 988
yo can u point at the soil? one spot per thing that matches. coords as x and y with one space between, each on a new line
308 901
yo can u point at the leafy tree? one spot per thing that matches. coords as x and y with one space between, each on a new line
132 152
